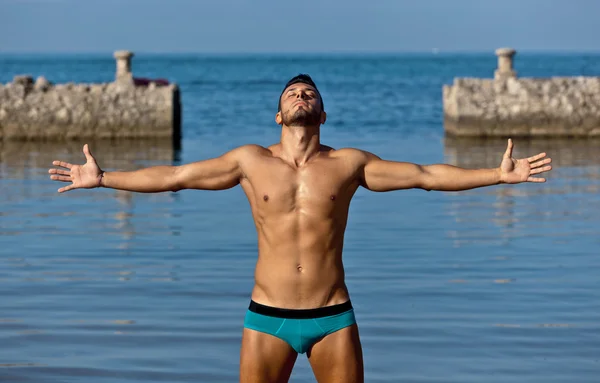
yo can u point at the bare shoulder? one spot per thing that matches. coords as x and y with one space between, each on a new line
354 155
249 151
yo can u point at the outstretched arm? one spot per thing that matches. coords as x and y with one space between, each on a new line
213 174
381 175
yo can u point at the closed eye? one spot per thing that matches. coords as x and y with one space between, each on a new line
294 93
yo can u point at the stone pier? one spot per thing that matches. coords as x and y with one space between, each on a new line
128 107
528 107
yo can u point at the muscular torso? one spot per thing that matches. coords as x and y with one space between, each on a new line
300 215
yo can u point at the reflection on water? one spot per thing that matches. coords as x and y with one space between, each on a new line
480 152
575 162
560 210
22 159
32 205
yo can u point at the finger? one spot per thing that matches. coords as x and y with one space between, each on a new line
61 178
66 188
534 179
58 171
536 157
541 170
88 153
540 163
62 164
509 149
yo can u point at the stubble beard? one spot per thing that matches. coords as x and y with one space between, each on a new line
302 117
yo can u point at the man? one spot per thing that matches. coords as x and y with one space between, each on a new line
299 192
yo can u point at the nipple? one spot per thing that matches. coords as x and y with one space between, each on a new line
265 197
332 197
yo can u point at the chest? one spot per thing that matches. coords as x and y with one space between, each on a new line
323 185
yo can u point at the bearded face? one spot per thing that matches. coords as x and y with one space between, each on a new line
301 115
301 106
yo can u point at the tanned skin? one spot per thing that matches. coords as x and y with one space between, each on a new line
299 191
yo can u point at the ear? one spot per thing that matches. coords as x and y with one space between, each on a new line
323 117
278 118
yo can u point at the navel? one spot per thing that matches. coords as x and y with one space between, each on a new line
265 198
299 268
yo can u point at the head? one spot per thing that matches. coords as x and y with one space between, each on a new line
300 103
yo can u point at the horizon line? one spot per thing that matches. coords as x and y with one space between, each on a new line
431 51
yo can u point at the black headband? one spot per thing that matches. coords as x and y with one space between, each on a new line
304 79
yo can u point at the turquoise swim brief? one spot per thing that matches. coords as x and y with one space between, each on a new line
300 328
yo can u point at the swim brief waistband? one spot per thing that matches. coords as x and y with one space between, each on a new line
319 312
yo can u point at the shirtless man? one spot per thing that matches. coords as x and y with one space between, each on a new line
299 192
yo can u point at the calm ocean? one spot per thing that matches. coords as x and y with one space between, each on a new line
499 284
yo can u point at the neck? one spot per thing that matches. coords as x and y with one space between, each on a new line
299 143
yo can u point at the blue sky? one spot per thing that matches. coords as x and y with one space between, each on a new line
240 26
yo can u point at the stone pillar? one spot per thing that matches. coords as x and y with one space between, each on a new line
505 64
124 66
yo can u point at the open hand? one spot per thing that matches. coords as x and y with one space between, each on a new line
85 176
514 171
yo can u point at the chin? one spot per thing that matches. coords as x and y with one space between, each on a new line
302 118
